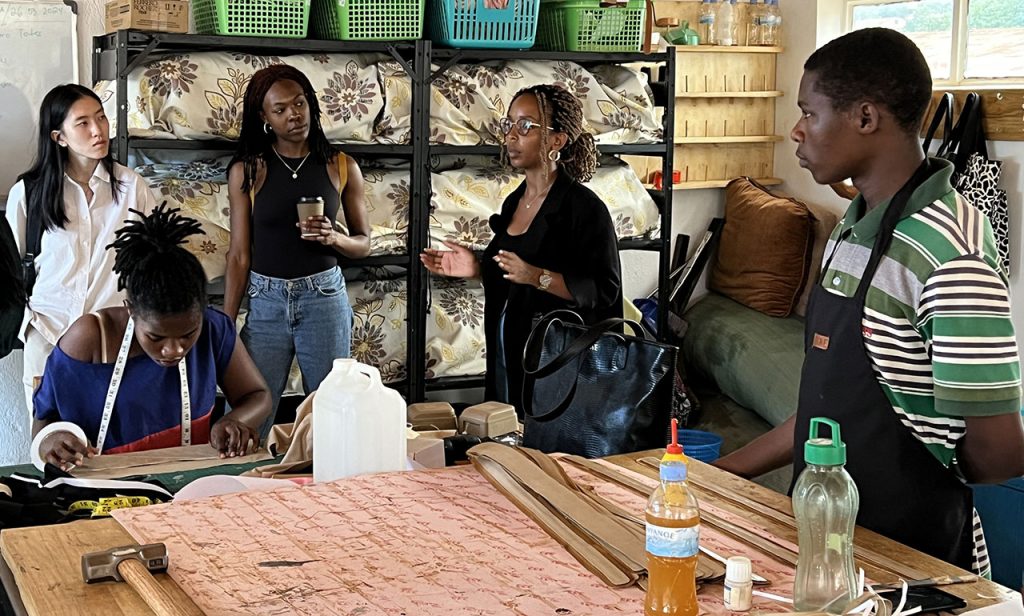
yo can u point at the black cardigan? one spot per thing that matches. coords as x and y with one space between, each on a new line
572 235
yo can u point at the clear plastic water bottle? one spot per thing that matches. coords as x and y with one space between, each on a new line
706 23
771 24
673 534
726 26
825 503
755 12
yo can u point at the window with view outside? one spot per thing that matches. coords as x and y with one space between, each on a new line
995 32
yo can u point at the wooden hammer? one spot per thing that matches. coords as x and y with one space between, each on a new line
136 564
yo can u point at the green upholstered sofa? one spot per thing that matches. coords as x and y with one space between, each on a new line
753 358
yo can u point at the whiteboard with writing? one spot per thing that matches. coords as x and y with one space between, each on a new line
38 50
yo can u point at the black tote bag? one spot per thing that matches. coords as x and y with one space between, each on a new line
975 175
594 391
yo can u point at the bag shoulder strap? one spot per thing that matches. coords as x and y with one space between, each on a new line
33 230
532 353
341 160
943 115
103 336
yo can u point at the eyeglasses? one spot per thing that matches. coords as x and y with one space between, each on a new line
522 126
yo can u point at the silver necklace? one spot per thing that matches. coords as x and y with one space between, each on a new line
540 196
295 171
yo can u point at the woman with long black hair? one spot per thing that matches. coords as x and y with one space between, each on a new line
81 197
298 304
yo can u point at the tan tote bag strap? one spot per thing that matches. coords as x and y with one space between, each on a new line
341 160
103 336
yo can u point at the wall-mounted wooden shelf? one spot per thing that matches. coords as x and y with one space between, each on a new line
729 139
763 94
726 49
696 184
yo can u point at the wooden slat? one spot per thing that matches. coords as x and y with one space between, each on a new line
46 561
763 94
785 517
728 49
705 162
979 594
724 120
1003 118
715 72
723 183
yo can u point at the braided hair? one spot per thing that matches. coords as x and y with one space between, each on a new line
254 143
158 275
560 110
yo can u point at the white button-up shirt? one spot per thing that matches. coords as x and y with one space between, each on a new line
74 269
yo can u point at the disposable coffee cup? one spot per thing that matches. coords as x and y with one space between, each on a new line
309 206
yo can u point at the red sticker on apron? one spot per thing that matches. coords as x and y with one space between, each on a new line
820 342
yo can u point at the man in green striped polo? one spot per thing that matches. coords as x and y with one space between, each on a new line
910 345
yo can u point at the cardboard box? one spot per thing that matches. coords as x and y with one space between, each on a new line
153 15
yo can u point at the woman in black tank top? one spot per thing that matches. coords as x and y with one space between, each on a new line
298 306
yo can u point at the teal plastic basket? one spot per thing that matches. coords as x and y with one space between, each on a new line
278 18
584 25
470 24
367 20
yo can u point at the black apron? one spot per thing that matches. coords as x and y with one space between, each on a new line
906 494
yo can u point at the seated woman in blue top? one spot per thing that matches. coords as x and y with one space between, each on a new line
145 376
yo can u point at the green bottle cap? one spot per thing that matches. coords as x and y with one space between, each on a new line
825 451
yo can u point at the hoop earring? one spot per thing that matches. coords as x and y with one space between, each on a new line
554 155
266 128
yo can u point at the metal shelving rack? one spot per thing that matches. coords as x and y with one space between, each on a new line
116 54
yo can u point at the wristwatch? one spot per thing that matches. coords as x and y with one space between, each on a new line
544 281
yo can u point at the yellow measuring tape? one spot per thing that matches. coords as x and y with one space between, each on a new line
104 506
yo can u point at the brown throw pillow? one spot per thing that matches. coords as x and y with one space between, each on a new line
765 250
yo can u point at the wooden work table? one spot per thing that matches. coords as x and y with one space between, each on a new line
45 561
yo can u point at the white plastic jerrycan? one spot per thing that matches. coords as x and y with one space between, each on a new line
358 424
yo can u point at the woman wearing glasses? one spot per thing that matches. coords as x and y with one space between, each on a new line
554 244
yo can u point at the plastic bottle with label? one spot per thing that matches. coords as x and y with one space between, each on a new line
825 504
706 23
358 424
726 26
673 533
739 585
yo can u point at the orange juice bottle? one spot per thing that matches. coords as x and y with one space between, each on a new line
673 531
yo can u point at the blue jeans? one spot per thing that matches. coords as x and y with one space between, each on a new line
308 318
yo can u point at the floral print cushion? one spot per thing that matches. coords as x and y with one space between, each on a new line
465 197
467 100
199 95
455 334
367 98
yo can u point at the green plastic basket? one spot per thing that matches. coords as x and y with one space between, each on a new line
280 18
584 25
367 20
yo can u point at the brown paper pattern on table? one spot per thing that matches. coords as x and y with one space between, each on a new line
430 542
